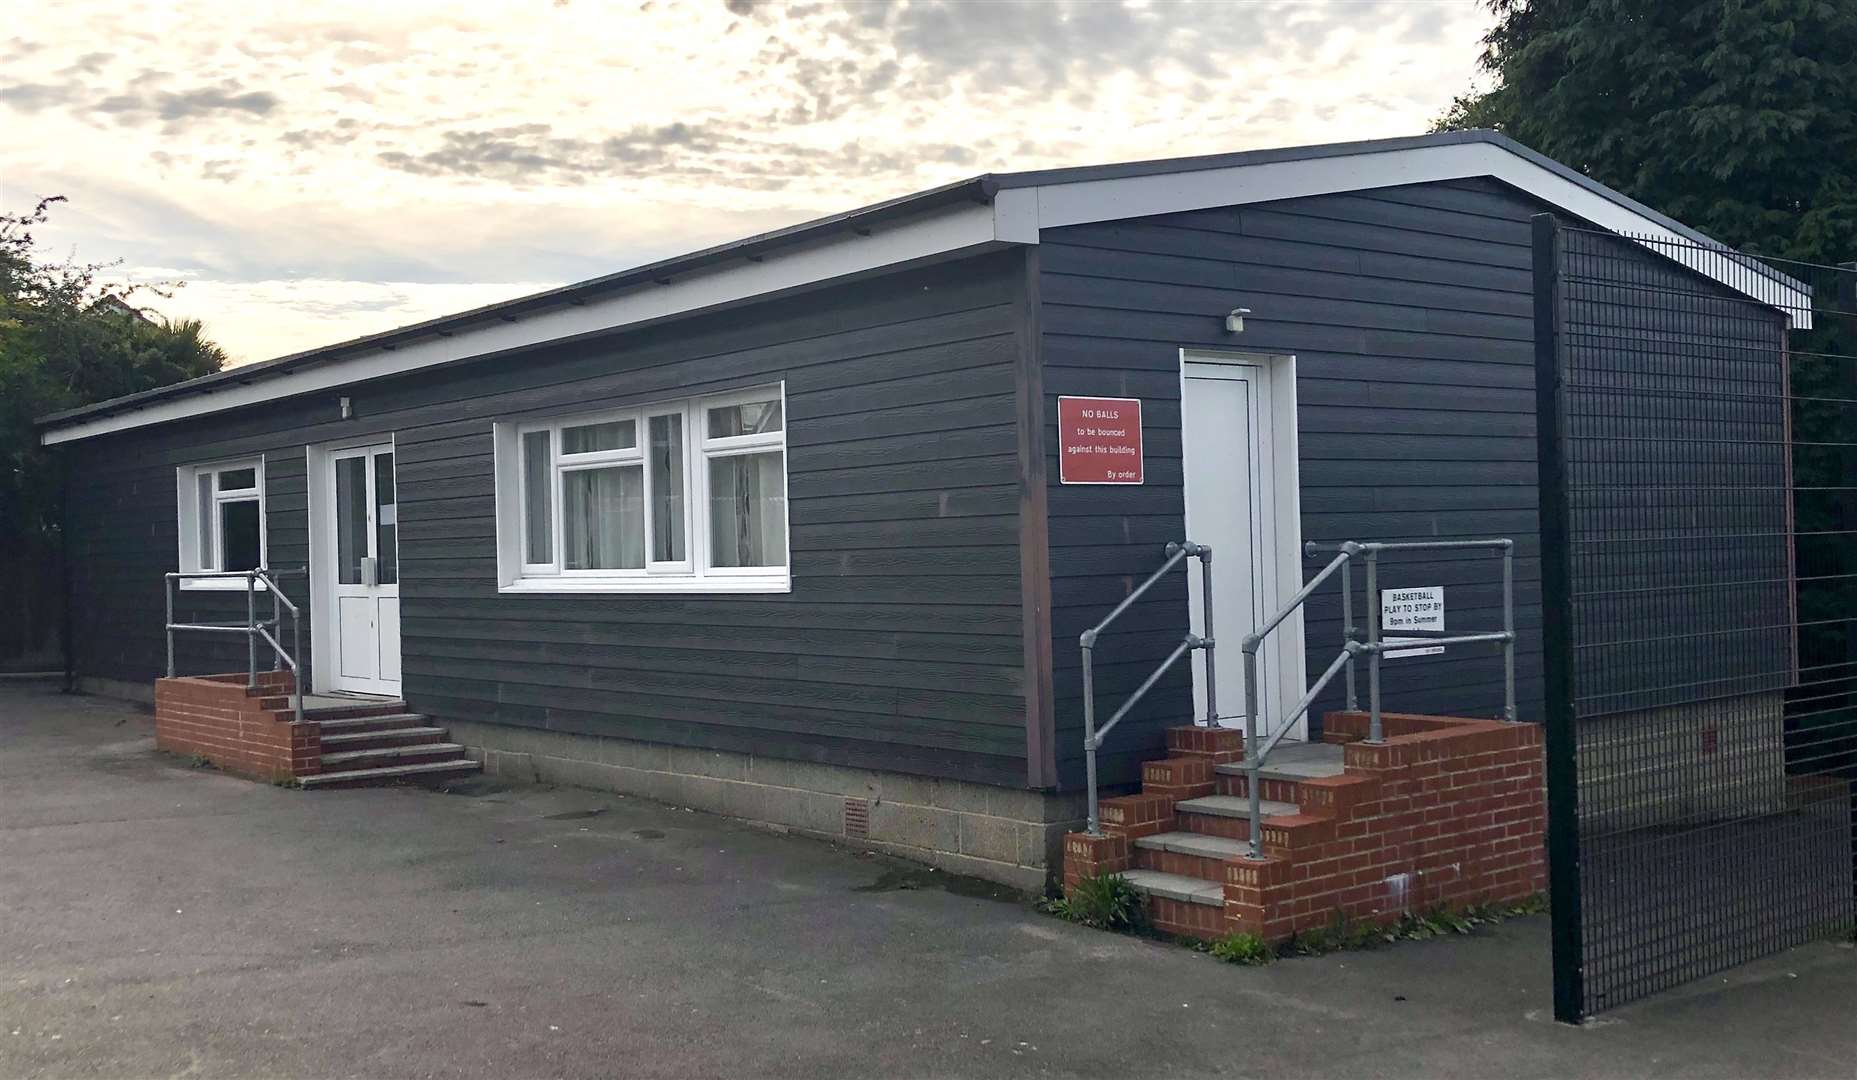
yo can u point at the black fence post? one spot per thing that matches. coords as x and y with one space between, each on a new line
1557 631
67 638
1844 347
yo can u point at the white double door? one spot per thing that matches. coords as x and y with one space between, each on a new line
362 574
1238 436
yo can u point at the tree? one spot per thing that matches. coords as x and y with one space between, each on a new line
1738 117
63 346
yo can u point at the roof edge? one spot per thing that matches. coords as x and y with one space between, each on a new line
810 247
975 189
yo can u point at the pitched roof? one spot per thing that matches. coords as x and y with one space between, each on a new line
983 213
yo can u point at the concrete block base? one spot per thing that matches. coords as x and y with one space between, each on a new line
1007 835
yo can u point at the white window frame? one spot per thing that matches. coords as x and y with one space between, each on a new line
187 502
692 574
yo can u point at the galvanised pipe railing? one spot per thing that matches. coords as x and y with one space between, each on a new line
1256 750
253 628
1093 738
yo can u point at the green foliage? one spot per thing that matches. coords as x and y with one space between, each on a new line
1734 116
1241 948
1738 117
1105 901
67 338
1341 934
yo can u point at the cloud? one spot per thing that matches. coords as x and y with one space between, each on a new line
462 145
140 99
32 97
89 63
530 153
176 107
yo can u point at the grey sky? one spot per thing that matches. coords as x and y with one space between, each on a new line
340 168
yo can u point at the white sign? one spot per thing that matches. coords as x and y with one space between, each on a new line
1411 609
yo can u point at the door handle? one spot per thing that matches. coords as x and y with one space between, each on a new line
370 571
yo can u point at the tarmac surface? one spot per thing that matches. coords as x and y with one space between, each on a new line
158 919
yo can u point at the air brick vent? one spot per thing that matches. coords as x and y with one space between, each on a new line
857 819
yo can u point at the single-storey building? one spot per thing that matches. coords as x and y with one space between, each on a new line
805 528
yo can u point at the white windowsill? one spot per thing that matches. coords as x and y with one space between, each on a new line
219 585
643 586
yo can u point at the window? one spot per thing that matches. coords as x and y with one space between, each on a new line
681 496
221 520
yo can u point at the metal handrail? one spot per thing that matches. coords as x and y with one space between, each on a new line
1258 750
253 628
1093 738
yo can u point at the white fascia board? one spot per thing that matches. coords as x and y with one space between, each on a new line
1171 193
940 233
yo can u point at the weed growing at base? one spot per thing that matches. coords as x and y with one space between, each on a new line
1340 934
1104 901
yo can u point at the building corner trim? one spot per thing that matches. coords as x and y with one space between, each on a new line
1034 534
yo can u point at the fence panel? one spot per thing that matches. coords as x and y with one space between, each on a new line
1698 452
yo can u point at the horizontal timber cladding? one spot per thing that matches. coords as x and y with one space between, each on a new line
899 647
1409 311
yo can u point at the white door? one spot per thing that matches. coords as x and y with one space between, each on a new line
1236 441
364 608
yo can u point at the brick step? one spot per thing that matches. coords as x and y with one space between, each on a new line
1225 815
1214 744
387 774
1178 777
1189 854
392 755
1284 771
1274 787
370 740
359 708
351 724
1189 890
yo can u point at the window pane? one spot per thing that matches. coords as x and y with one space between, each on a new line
238 479
667 539
538 515
383 479
603 518
238 534
753 418
386 521
747 510
203 524
587 438
351 518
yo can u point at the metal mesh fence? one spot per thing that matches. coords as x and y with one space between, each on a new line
1699 497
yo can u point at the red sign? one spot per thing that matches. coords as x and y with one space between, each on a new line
1098 440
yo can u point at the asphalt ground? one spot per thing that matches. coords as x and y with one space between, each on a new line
158 919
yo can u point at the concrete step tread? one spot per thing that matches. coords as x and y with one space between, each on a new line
350 723
1190 890
316 706
393 751
390 772
1234 806
430 734
1190 843
1295 761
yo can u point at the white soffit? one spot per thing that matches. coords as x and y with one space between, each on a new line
1016 215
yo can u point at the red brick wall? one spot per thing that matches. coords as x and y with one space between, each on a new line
248 732
1445 812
